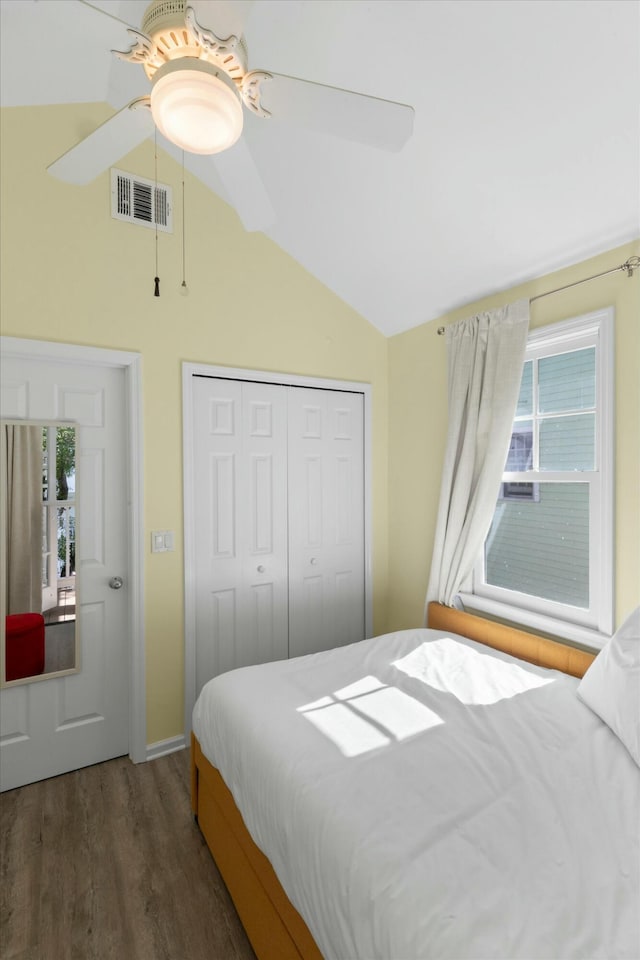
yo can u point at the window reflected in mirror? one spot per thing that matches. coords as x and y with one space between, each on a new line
39 589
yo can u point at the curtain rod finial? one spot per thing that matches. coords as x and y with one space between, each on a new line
633 263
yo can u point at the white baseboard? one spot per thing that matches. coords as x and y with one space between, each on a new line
162 747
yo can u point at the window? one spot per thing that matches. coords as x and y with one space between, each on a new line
548 554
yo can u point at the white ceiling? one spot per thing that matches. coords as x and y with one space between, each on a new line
525 155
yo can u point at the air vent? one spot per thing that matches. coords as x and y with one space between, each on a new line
141 201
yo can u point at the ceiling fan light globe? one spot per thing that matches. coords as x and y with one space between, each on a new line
196 106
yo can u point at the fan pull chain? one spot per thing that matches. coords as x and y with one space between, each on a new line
184 290
156 279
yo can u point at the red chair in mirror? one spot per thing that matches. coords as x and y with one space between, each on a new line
24 645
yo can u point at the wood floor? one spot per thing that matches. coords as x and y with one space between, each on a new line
107 862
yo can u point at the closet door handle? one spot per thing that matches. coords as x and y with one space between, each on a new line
261 569
313 561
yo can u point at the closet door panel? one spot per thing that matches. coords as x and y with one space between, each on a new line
347 595
218 567
241 549
326 519
263 522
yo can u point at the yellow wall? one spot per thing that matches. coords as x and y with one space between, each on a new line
71 273
418 424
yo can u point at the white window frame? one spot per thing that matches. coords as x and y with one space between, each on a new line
595 625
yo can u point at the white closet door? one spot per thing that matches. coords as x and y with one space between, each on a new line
240 443
326 519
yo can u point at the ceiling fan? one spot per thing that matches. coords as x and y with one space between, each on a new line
200 88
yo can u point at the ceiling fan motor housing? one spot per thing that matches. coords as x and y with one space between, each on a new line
176 34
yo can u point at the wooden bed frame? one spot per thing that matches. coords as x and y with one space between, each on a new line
274 927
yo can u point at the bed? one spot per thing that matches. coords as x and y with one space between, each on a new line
427 794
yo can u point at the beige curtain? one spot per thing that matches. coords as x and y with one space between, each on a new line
485 359
21 482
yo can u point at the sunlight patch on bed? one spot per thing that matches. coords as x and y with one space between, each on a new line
368 715
473 678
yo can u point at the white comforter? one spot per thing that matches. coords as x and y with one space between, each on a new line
420 796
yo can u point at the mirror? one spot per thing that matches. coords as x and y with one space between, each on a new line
38 487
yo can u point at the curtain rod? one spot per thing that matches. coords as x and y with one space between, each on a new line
633 263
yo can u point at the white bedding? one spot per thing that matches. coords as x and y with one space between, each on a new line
422 796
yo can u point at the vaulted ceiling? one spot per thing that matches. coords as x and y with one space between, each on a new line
524 155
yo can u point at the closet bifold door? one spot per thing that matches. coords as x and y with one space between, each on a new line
325 519
240 466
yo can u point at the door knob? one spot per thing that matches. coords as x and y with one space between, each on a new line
313 561
261 569
116 583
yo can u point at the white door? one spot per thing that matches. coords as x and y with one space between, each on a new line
278 517
55 725
240 478
326 520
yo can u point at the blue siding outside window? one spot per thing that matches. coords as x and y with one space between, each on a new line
541 548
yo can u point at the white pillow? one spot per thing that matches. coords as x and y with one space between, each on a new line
611 685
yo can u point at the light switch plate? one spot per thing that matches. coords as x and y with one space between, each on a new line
161 541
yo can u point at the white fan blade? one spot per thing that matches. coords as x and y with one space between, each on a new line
225 18
244 187
108 143
340 113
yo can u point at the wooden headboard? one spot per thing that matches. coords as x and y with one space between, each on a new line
526 646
